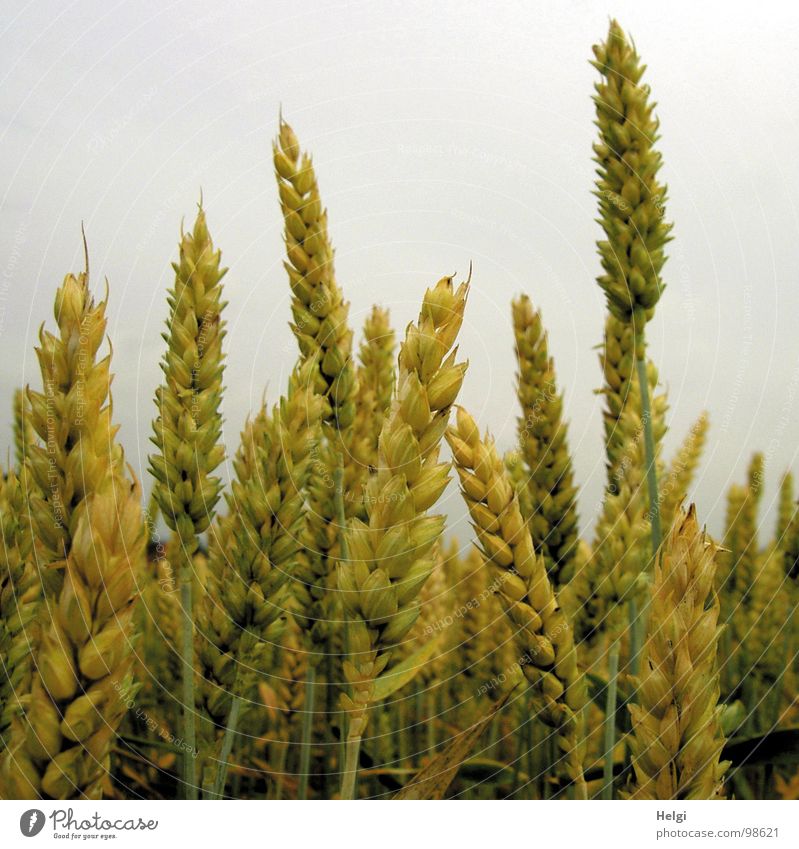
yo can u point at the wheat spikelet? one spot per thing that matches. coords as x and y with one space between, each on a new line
517 473
630 197
674 486
391 556
543 443
23 430
543 634
678 738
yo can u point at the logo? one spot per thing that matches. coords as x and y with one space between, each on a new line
31 822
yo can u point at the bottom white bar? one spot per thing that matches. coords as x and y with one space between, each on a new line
388 825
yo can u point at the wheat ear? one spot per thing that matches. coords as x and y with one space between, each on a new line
20 591
786 509
674 487
677 735
89 536
187 432
389 557
252 557
631 211
543 633
376 381
544 444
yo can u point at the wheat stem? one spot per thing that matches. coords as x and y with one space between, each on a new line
227 746
610 720
307 731
649 446
351 754
187 657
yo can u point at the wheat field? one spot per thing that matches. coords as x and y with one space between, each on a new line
313 630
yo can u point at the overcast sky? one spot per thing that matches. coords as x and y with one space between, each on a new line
443 133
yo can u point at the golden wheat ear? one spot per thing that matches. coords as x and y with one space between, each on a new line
89 546
676 720
543 441
543 634
387 559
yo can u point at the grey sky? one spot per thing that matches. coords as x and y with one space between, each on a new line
442 133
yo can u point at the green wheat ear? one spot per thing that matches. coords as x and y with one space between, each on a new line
187 432
631 200
544 445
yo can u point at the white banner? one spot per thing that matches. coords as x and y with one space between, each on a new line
386 825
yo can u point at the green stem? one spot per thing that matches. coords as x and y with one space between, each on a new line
353 746
307 731
227 747
636 636
341 516
352 753
649 446
281 769
187 657
431 724
610 720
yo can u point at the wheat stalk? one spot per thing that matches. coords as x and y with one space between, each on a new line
389 558
187 431
677 736
88 527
